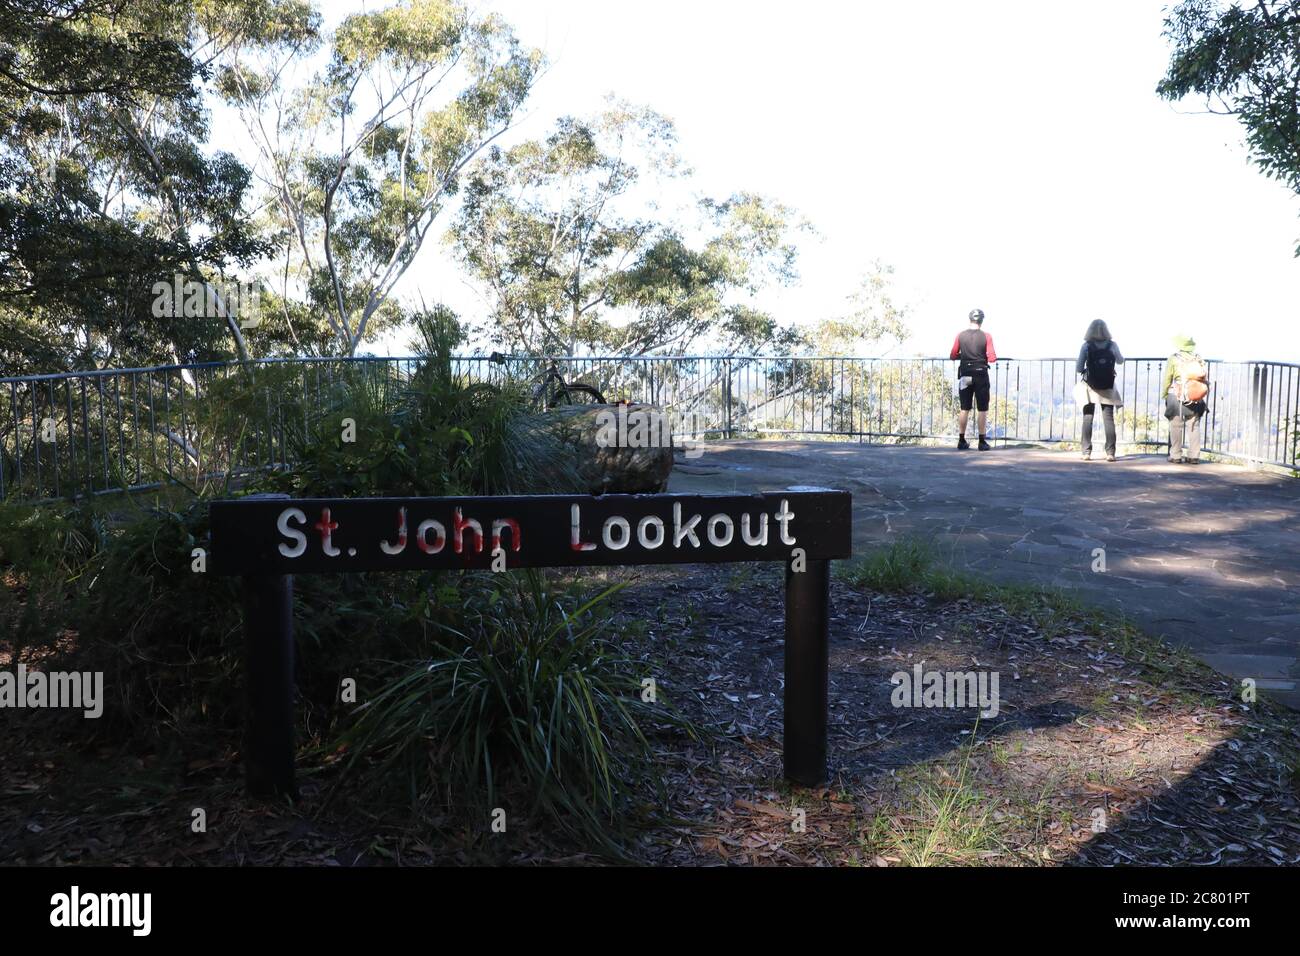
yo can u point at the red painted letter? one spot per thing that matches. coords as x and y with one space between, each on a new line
326 527
458 525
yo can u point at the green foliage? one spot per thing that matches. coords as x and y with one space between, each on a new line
875 317
105 185
901 567
1245 60
242 418
84 49
474 685
169 639
42 552
526 694
362 158
548 227
47 538
434 433
912 566
166 638
946 821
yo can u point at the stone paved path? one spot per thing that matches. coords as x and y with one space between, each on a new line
1206 556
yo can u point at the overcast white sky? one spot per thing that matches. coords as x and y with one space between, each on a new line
1009 155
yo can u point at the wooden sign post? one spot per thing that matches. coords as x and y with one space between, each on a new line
269 538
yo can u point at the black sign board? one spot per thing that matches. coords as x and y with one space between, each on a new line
286 536
270 538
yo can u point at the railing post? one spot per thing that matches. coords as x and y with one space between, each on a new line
726 374
1258 406
1261 424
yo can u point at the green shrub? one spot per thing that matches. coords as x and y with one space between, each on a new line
165 636
526 696
169 639
246 416
517 688
433 432
43 550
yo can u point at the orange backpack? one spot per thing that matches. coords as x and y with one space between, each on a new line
1193 378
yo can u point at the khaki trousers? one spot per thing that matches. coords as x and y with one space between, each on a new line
1184 429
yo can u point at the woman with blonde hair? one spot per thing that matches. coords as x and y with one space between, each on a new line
1098 359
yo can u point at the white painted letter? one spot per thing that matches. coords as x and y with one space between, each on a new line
282 525
758 540
718 540
624 533
783 516
575 532
646 523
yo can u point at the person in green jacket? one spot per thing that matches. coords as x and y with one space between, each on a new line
1184 401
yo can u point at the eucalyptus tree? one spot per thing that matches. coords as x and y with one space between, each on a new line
1244 60
876 317
569 239
106 183
361 140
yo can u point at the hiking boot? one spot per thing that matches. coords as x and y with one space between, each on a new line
962 443
985 446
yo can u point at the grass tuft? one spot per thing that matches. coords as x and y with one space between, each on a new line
529 705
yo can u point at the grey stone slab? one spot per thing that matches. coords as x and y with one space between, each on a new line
1206 557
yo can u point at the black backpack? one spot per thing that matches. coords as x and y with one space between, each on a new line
1100 369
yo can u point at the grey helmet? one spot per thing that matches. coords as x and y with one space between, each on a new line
977 315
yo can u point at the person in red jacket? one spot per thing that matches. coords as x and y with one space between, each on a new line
973 350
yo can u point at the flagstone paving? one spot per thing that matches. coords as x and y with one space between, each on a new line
1204 556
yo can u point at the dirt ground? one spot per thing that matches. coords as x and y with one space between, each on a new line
1101 753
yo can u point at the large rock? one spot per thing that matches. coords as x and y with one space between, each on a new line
619 449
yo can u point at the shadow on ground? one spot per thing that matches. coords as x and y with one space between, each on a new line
1202 556
1097 755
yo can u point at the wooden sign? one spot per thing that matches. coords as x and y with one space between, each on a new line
286 536
270 538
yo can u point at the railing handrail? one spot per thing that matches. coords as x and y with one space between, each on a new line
308 359
192 366
99 430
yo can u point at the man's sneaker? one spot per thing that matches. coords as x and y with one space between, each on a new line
985 446
1110 456
962 443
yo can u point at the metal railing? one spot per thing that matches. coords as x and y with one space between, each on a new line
83 433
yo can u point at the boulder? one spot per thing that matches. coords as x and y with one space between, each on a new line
619 449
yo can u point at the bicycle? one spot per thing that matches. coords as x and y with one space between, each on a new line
550 389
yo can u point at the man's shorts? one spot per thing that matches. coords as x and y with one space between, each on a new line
977 394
